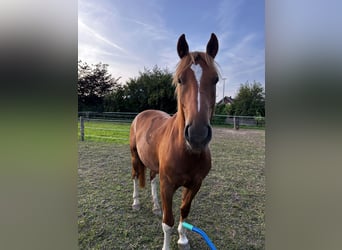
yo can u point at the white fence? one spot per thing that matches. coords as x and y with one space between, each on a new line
103 130
252 121
108 116
124 117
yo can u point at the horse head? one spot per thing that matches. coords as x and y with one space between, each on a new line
196 77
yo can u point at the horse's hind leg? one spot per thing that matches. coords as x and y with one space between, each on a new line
138 176
154 187
136 202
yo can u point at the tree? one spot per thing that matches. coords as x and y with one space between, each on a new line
250 100
153 89
223 109
94 83
116 101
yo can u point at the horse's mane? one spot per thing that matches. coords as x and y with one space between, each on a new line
191 58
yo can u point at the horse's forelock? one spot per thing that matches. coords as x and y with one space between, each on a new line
192 58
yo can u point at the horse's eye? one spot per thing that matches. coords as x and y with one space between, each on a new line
216 80
179 81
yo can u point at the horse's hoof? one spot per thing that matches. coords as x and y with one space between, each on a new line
157 211
136 207
184 246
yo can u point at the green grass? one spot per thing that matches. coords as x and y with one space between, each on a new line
105 131
102 131
229 207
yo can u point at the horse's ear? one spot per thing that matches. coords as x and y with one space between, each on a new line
182 46
212 46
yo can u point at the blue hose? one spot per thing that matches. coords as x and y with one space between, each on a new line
200 232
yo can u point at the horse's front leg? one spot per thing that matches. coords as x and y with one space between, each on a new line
166 192
187 197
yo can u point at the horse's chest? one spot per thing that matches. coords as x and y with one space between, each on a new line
186 171
198 169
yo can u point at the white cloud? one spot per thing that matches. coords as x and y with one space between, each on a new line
85 28
130 37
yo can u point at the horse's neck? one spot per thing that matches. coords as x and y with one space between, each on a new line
178 124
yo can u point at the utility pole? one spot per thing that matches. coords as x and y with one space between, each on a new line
224 83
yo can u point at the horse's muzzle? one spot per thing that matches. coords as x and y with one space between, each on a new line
197 137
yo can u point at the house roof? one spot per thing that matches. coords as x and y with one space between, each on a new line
226 100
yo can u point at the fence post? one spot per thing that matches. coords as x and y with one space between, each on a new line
236 123
82 128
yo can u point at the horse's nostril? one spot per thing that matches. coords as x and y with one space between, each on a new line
209 135
197 137
186 132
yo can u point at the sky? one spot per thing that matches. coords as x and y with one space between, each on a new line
132 35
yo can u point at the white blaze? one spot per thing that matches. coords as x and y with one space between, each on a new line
197 69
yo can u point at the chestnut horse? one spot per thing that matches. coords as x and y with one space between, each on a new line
176 147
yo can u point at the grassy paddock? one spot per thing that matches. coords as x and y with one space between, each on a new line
105 131
117 132
229 207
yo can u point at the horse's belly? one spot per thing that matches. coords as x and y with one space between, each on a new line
148 131
148 156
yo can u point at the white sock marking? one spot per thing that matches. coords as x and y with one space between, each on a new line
197 69
167 236
135 192
154 194
183 240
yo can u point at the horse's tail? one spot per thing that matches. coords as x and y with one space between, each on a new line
138 169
